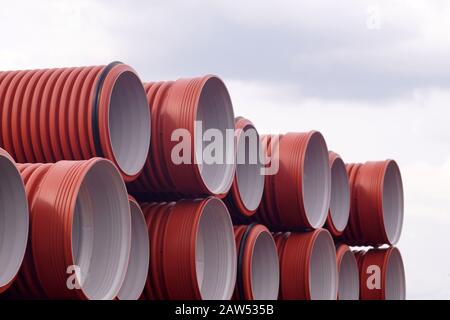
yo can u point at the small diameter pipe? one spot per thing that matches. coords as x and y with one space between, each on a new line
179 162
248 184
382 274
308 268
258 274
192 250
137 270
348 288
298 195
75 114
376 214
80 234
14 220
339 211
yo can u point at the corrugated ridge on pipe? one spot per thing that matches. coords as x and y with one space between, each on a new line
387 266
14 220
298 195
258 274
69 202
376 214
348 288
339 211
248 183
192 250
137 269
75 114
308 269
177 105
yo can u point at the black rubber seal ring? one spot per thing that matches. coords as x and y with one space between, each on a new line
96 102
242 244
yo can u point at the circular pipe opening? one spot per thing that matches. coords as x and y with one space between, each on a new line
101 232
265 268
348 288
340 195
250 181
323 277
316 181
393 202
215 112
137 271
129 123
215 252
395 277
14 220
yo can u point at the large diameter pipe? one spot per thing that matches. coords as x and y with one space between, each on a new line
192 250
186 113
80 233
76 114
382 274
376 214
248 183
14 220
308 268
348 288
298 195
258 274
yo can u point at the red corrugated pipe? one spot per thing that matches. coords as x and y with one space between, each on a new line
176 106
192 250
382 274
258 271
348 288
376 210
298 196
14 220
339 211
80 231
248 183
75 114
308 269
137 270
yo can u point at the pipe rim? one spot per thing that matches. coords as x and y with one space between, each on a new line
348 288
395 283
340 195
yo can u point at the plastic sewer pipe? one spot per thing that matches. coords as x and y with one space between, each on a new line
193 252
258 274
80 232
137 270
248 183
308 268
14 220
348 288
382 274
74 114
176 167
298 195
376 210
339 211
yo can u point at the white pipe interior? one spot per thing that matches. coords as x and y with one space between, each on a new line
101 232
129 123
348 288
323 275
393 202
250 180
215 111
137 271
316 181
340 195
14 220
395 277
215 252
265 270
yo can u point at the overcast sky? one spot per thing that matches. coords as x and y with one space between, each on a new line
372 76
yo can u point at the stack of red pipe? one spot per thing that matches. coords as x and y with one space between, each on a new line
295 206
